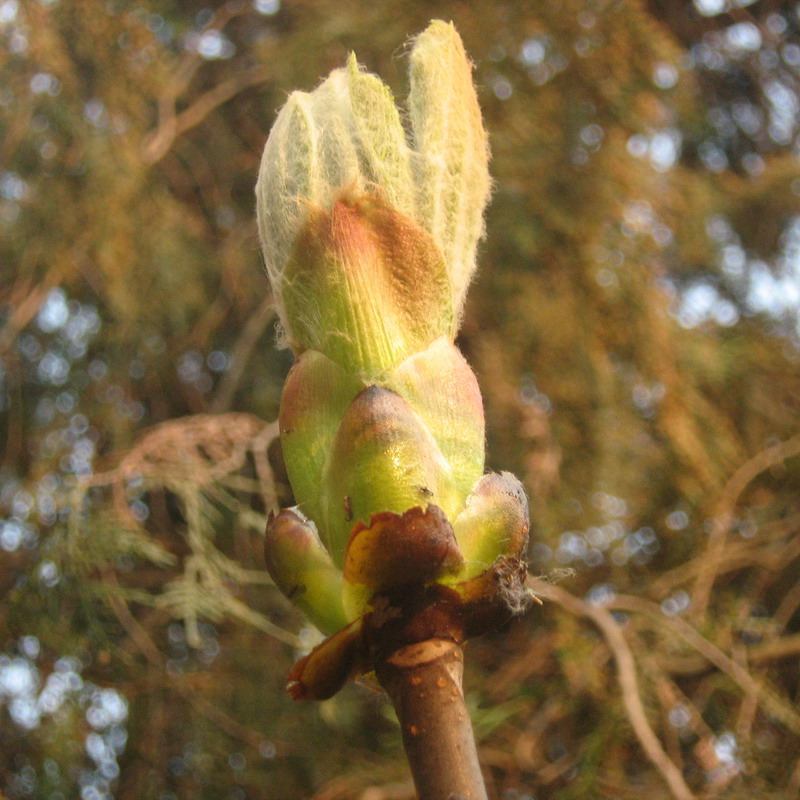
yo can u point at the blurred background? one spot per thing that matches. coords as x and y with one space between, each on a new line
634 327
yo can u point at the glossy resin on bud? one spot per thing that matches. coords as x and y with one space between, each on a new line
369 236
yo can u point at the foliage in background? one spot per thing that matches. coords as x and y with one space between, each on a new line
634 327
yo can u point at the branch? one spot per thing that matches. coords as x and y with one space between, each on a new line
723 518
767 550
628 682
779 707
424 682
161 140
24 305
240 353
688 25
168 125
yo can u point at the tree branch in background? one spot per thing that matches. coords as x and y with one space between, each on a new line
240 353
688 25
160 142
628 682
779 707
24 302
170 123
723 517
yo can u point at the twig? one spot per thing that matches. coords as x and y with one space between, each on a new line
168 125
787 607
723 517
767 549
424 682
628 682
793 787
266 476
160 142
778 707
146 646
241 351
775 648
137 633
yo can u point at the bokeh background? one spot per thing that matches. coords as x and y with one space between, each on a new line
634 327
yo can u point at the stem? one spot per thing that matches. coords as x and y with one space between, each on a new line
424 682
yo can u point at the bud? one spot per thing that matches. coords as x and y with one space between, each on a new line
346 137
303 570
493 524
370 242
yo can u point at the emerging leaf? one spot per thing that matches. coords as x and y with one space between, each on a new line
345 140
452 151
365 285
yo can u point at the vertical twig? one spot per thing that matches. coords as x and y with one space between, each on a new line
424 682
241 352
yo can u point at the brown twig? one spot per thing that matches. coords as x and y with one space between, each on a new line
777 706
628 682
241 352
424 682
793 787
767 550
786 610
160 142
24 304
724 515
170 123
147 647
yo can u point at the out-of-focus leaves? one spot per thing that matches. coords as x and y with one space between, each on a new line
634 329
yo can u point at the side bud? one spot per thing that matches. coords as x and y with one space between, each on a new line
494 523
303 570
